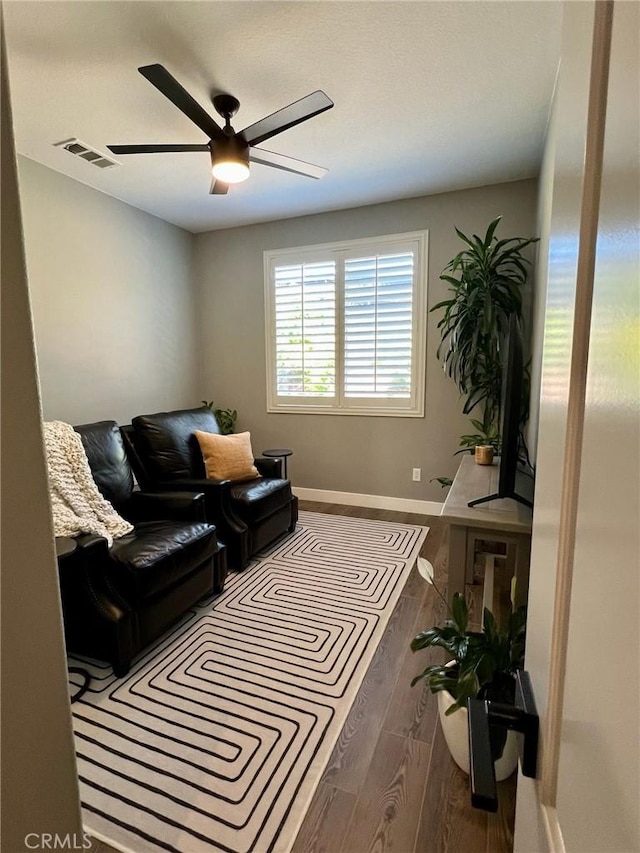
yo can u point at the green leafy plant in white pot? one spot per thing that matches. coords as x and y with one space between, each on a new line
483 665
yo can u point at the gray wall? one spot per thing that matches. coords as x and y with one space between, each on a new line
369 455
113 302
39 785
134 315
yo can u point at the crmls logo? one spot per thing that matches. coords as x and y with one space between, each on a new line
49 841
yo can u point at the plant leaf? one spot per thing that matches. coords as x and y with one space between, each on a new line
491 231
460 612
444 481
489 624
463 237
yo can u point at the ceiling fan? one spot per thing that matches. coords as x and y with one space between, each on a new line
230 151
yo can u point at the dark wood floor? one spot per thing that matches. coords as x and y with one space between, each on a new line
390 785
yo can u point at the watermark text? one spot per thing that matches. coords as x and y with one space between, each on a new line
54 841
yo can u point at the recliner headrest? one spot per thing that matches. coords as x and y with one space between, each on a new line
108 460
166 443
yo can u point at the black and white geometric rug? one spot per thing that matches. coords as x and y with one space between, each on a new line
218 737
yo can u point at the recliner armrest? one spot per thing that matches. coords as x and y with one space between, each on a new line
271 468
195 484
175 505
90 569
217 502
99 619
91 540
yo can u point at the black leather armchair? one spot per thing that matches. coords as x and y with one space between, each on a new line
117 600
249 515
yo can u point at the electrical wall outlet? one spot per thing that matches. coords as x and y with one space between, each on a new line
417 475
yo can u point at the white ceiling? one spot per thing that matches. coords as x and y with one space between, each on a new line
429 96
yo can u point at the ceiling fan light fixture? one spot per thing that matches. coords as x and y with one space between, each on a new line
230 171
230 161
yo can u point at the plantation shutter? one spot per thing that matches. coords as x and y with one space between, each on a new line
345 326
378 325
305 329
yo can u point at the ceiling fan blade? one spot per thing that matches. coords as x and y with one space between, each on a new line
218 188
154 149
170 88
307 107
287 164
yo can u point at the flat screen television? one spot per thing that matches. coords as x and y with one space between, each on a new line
513 481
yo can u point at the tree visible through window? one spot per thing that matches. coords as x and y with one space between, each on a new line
346 327
305 319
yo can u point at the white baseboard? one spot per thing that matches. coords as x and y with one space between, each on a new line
372 501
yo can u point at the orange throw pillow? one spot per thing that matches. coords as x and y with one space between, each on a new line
227 457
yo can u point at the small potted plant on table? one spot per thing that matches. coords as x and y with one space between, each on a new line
484 443
483 666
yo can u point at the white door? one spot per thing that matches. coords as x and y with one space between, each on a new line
584 615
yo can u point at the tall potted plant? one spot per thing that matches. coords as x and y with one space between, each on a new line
485 282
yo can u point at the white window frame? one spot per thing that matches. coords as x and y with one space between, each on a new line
411 407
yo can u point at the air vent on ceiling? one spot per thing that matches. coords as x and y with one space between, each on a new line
74 146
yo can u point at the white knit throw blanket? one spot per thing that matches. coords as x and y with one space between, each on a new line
76 503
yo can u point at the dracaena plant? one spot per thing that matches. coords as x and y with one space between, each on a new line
485 282
484 662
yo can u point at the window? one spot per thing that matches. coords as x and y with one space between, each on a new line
346 327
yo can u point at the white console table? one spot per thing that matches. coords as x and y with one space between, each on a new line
502 520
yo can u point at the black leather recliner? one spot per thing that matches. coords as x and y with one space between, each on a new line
117 600
248 515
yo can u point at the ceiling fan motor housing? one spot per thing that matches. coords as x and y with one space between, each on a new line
232 148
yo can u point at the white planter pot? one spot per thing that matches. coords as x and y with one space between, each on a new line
456 733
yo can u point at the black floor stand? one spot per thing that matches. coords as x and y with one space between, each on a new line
497 496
